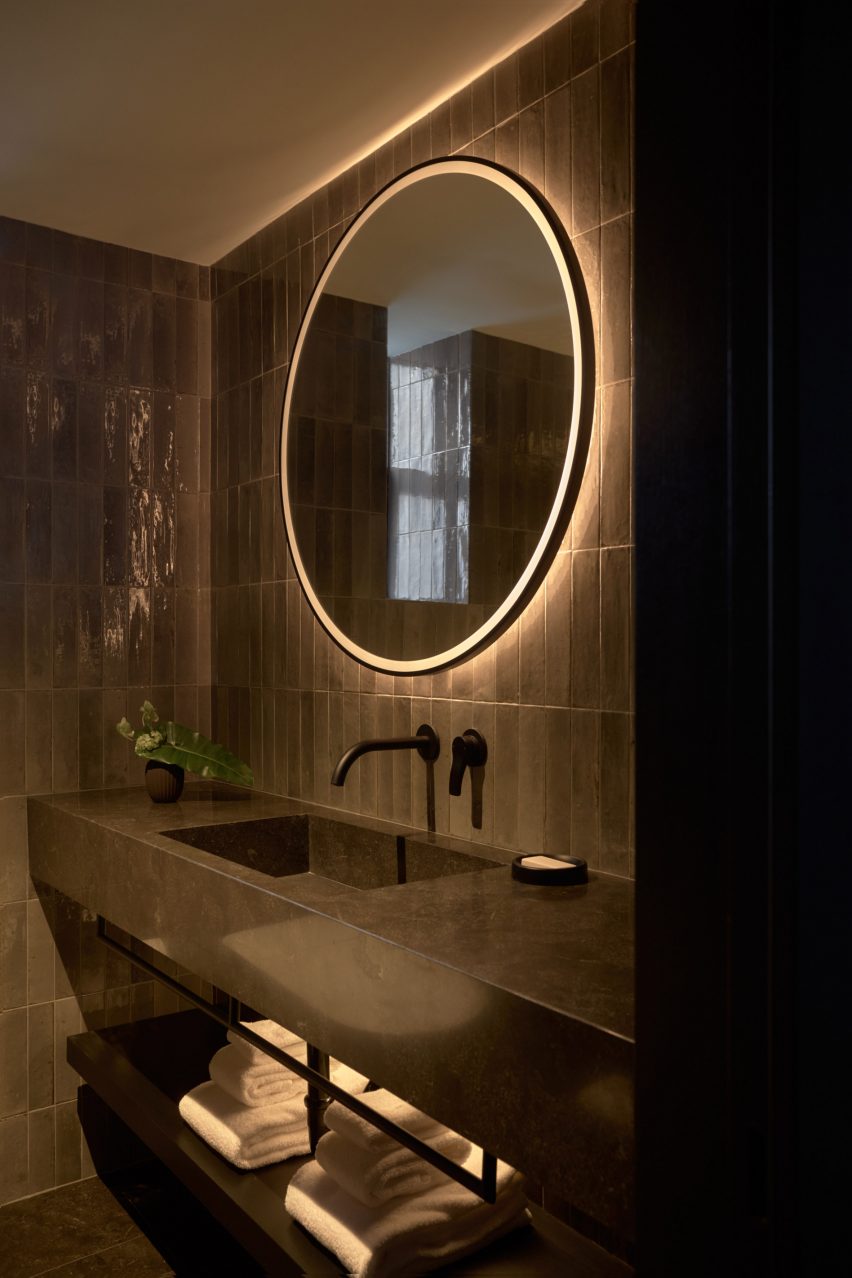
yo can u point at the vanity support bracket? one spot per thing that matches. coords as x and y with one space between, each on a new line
316 1100
484 1185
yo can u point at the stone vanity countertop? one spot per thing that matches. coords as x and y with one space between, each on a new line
503 1008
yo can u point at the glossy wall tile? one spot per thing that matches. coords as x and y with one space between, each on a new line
142 551
554 694
103 561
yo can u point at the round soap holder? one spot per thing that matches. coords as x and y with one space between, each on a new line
550 871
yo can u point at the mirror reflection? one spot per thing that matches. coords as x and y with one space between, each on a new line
432 415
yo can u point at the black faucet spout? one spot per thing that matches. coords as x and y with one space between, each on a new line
426 743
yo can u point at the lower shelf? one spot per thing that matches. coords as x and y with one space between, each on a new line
141 1071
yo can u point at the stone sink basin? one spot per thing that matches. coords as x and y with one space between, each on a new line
305 844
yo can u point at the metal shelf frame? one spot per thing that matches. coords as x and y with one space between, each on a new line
321 1089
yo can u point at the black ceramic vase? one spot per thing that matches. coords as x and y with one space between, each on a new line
163 781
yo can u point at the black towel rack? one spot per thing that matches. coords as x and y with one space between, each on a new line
315 1071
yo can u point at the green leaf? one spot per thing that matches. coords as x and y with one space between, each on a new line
190 750
149 715
125 729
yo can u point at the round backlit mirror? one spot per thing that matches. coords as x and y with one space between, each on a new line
437 416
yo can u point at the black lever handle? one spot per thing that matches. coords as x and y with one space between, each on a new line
469 751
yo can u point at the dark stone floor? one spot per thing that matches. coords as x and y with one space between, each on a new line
142 1223
75 1230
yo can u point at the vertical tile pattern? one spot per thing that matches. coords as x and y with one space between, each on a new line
104 393
553 694
141 540
104 386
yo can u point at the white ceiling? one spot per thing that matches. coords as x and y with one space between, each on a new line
182 126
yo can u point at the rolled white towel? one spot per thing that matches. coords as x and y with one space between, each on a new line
247 1137
409 1235
276 1034
376 1176
363 1134
267 1082
260 1084
347 1078
255 1135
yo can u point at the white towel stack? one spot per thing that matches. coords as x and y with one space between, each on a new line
383 1210
256 1081
252 1111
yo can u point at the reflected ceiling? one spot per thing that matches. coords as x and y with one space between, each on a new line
436 283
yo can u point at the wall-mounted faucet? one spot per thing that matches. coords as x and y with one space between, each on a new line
469 752
426 743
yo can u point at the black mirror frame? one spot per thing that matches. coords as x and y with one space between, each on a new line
579 434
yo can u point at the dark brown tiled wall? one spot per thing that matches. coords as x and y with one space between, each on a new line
105 462
553 696
104 582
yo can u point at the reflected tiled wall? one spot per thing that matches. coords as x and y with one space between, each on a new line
520 412
478 432
553 696
338 473
429 472
104 426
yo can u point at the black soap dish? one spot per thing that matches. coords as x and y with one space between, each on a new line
549 870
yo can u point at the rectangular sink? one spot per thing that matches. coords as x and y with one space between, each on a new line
348 854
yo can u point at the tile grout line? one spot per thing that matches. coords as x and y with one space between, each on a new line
103 1251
